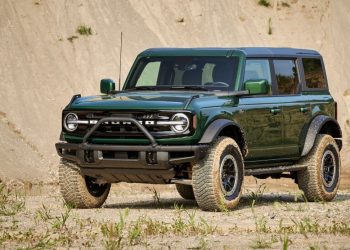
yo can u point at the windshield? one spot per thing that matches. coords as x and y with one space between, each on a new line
193 73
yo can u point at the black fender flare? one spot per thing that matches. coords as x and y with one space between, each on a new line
213 130
314 129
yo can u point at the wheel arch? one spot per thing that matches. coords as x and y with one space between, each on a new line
224 127
322 124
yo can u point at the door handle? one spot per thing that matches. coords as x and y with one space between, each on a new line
304 109
275 111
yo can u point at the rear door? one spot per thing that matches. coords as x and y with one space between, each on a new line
296 109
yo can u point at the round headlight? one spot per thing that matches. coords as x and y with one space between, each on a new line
70 122
182 123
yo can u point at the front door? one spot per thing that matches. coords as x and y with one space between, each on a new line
263 127
262 114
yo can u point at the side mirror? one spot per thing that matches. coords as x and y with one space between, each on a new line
257 87
107 86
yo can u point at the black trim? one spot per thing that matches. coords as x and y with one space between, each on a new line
124 157
273 78
96 155
273 170
214 129
101 114
314 129
190 100
73 98
113 175
120 119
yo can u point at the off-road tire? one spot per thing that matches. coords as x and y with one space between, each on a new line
74 188
185 191
311 180
207 179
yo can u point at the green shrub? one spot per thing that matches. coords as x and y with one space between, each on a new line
84 30
265 3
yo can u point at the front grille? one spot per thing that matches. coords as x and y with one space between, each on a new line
124 130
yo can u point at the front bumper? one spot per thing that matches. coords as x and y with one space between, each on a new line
130 156
132 163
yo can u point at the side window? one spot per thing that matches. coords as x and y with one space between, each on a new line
207 75
314 77
286 76
149 74
257 69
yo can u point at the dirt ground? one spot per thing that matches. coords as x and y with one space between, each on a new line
271 214
42 66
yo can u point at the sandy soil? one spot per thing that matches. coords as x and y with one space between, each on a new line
162 220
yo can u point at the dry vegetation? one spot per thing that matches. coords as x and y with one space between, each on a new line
159 219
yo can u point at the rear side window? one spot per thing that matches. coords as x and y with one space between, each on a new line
286 76
314 77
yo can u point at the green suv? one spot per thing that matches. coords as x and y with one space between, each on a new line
202 119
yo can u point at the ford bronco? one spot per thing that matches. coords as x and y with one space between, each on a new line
202 119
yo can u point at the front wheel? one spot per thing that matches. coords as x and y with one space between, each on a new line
320 180
78 190
218 179
185 191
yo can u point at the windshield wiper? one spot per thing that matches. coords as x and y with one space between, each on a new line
190 87
169 87
142 88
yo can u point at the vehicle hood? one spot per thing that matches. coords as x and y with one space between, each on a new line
141 100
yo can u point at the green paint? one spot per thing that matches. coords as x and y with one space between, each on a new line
256 87
107 86
275 126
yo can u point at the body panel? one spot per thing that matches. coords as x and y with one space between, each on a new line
275 126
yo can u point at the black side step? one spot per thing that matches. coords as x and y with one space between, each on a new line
182 181
273 170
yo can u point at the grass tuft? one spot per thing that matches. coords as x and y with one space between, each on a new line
261 243
60 222
72 38
286 242
255 196
11 202
125 234
156 196
265 3
269 27
43 213
84 30
285 4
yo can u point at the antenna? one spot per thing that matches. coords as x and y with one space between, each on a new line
120 58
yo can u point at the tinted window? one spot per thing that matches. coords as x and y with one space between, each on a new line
314 77
286 76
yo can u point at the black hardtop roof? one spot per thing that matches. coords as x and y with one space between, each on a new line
247 51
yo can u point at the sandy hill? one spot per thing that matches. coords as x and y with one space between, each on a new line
43 61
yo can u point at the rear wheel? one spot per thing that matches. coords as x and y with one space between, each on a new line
79 190
217 180
320 180
185 191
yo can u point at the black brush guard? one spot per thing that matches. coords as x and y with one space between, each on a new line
151 163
